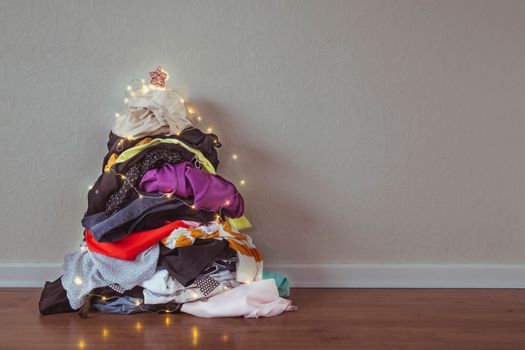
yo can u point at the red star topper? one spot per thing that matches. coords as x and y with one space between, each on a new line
159 77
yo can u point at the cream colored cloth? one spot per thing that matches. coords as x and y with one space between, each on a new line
257 299
158 111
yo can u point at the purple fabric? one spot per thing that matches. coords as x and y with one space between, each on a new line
210 192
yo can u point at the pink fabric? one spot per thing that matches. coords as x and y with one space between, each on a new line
257 299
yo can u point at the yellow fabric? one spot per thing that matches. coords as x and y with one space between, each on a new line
133 151
239 224
112 159
145 141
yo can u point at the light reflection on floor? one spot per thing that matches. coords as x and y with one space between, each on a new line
143 331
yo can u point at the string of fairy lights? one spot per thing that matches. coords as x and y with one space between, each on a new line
137 87
137 302
141 195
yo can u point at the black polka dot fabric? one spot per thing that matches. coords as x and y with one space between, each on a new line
207 285
153 159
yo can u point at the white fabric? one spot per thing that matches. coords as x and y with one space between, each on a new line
158 111
161 288
257 299
85 271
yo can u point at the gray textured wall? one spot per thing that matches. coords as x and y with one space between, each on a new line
367 131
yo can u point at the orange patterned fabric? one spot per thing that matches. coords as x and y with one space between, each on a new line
250 259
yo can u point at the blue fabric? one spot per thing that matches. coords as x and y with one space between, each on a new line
127 305
151 211
100 224
123 305
283 285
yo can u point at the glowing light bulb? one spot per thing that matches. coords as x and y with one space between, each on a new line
126 100
243 182
234 157
209 130
181 100
123 177
192 206
128 88
104 298
168 195
141 196
227 202
199 119
105 332
137 302
117 115
195 336
78 281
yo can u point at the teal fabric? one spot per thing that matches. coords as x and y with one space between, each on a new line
283 285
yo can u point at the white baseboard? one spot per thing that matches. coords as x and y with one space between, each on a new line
403 275
28 274
331 275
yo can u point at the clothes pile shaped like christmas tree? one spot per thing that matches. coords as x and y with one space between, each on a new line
162 229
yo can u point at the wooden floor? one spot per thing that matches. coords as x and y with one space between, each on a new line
327 319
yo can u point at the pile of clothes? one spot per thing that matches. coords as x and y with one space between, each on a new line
162 229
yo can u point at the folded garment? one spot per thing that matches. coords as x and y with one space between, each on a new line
168 213
136 217
283 286
210 191
155 111
162 288
186 263
85 271
130 246
250 265
253 300
110 180
127 305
